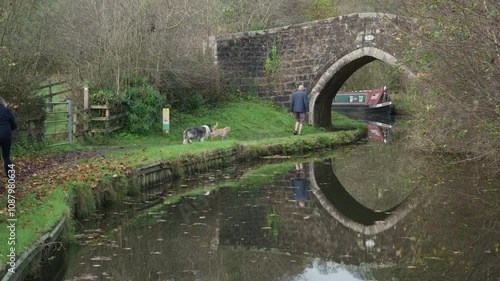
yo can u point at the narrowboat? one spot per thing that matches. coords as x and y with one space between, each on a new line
369 102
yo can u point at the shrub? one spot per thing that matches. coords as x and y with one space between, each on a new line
102 97
191 102
146 104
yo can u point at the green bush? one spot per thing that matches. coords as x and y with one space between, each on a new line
192 102
102 97
146 104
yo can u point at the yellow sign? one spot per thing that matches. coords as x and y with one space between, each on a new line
166 120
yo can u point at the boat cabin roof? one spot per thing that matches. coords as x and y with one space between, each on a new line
362 97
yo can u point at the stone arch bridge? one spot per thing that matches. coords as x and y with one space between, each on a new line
321 55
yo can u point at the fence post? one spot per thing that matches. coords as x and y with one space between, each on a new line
85 97
51 107
69 106
75 120
86 110
107 123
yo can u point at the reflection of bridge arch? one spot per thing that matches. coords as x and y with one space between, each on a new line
339 204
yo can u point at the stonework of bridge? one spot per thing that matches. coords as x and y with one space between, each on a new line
321 55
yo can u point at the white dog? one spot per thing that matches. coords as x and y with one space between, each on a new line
200 133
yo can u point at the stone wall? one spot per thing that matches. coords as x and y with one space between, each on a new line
305 53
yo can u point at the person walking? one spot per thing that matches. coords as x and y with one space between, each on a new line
7 125
299 107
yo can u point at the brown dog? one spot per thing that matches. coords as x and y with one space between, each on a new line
219 132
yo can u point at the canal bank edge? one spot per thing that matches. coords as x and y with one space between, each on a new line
149 175
24 261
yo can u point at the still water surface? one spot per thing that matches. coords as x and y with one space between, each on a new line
369 212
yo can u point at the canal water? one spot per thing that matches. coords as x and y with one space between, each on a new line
372 211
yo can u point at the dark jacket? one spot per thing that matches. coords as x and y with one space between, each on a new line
7 119
300 102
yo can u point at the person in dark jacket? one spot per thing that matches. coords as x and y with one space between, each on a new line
7 125
300 108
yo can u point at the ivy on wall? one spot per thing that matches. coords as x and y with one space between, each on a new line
272 62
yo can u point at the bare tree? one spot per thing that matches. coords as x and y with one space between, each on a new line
241 15
105 42
22 59
456 51
361 6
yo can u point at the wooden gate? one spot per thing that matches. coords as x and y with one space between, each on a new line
59 123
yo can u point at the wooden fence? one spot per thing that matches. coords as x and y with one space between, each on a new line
97 119
55 124
103 118
107 119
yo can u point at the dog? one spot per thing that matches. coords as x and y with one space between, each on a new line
220 132
200 133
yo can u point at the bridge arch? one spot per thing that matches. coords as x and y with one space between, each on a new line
320 54
323 92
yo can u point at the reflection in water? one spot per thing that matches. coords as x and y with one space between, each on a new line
338 198
300 185
379 126
378 131
261 233
328 271
366 216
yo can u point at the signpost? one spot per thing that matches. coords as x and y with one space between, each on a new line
166 120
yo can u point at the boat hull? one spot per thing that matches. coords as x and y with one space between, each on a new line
385 108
